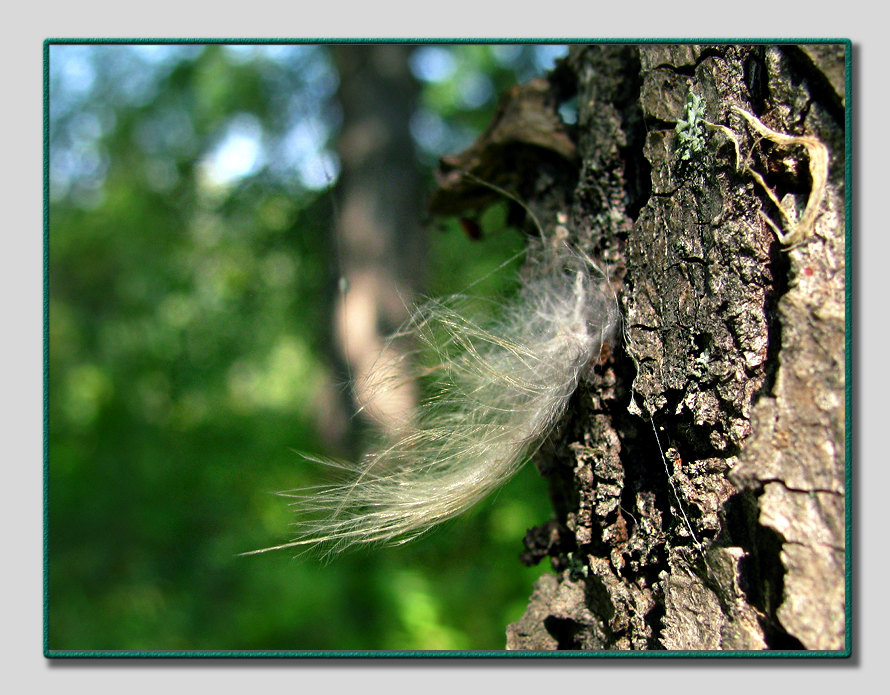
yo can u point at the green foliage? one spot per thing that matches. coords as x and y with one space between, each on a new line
461 86
189 357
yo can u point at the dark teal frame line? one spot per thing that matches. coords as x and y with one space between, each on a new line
849 348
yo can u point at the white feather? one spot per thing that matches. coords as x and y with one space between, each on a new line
497 391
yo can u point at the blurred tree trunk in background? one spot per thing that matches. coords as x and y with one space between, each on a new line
381 252
699 482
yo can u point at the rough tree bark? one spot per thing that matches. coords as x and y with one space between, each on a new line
699 483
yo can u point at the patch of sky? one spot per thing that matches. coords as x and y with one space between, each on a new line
286 52
165 55
130 73
239 152
71 70
242 53
319 75
310 118
319 170
303 152
546 55
529 60
116 72
432 63
568 111
79 164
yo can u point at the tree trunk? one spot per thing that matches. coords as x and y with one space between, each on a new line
380 249
699 482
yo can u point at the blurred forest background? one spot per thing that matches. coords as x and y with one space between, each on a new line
193 273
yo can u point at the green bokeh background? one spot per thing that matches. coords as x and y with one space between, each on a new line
188 359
